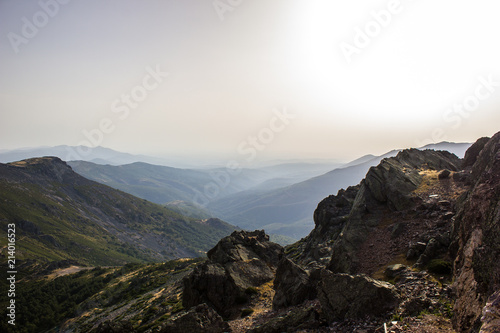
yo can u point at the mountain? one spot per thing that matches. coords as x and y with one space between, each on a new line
161 184
458 149
98 155
61 215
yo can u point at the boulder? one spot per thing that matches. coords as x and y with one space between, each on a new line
240 261
445 174
293 285
344 296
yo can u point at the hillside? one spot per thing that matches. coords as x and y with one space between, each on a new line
61 215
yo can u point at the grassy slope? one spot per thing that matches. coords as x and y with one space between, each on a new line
75 218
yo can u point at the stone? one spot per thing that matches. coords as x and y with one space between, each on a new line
292 284
242 260
394 270
445 174
344 296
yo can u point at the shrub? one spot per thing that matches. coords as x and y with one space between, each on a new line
246 312
439 266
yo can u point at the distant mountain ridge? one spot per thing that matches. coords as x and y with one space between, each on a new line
98 155
62 215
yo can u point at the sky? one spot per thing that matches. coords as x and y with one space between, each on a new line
248 79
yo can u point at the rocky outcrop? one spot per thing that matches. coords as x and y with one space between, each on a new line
472 153
387 188
344 296
238 262
476 236
293 285
315 250
200 319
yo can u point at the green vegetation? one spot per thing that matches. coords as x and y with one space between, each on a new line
46 303
251 291
246 312
440 267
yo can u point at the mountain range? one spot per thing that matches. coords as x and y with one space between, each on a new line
279 198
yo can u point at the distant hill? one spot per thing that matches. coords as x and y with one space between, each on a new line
61 215
161 184
458 149
98 155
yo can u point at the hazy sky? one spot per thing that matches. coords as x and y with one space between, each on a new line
254 79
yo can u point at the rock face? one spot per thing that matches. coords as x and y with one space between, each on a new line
386 188
240 261
476 236
472 153
315 250
200 319
491 315
344 296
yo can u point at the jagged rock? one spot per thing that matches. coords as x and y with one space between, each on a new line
315 250
344 296
293 285
431 250
476 236
299 318
244 246
491 315
472 153
200 319
387 187
242 260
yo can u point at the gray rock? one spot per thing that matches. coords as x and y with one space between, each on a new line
344 296
445 174
240 261
293 285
